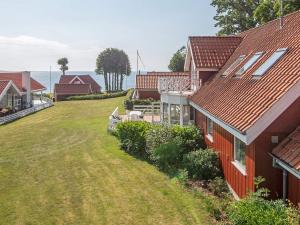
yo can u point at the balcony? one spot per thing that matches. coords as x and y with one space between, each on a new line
179 85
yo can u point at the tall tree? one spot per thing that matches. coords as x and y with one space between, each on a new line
269 10
234 16
114 65
63 62
177 61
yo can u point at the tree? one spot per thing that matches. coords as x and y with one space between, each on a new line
63 64
269 10
113 64
177 61
235 16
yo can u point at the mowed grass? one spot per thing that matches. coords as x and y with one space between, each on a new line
59 166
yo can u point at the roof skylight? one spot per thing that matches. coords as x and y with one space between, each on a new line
270 62
234 65
250 63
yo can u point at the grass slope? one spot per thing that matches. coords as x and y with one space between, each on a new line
59 166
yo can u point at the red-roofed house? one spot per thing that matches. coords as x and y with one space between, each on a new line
71 85
147 84
245 93
17 89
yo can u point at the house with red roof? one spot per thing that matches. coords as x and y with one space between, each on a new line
146 85
17 89
244 93
72 85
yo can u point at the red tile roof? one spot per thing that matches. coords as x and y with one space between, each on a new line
3 85
16 77
72 89
149 80
213 52
240 102
289 150
87 79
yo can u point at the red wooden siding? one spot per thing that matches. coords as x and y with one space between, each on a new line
281 127
294 189
223 143
149 94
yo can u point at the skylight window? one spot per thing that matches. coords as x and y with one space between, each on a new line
270 62
234 65
250 63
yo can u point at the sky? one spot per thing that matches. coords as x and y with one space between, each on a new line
35 33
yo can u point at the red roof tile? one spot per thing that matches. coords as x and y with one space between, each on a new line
87 79
3 85
240 102
16 77
149 80
213 52
72 89
289 150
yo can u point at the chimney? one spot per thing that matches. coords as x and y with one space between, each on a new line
26 85
281 14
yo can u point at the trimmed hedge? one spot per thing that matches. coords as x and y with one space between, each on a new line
98 96
128 103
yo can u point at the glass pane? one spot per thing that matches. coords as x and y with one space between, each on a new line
250 62
234 65
175 114
165 112
240 152
209 126
270 62
186 115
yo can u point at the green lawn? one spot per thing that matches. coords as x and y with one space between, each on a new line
59 166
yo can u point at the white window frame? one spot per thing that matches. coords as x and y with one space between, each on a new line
236 163
209 129
248 65
261 70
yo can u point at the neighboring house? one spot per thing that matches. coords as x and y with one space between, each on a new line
17 89
147 84
245 93
71 85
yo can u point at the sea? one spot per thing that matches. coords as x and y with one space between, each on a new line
44 78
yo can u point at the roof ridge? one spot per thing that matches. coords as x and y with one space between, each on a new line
269 22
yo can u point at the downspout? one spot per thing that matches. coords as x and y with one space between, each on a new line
284 184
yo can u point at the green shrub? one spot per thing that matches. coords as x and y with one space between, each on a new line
182 177
132 136
189 138
128 103
156 136
97 96
202 164
218 187
167 156
255 209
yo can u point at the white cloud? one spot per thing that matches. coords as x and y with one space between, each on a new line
32 53
24 40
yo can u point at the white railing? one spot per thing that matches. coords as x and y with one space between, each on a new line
154 108
25 112
114 119
178 84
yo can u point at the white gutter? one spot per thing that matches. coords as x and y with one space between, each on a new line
230 129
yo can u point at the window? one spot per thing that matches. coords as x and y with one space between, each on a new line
250 63
234 65
175 114
240 154
210 127
270 62
165 112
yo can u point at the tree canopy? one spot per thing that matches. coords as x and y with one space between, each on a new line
113 64
63 62
235 16
177 61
